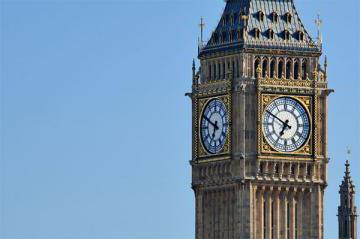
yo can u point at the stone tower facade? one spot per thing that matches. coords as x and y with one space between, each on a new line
347 212
259 123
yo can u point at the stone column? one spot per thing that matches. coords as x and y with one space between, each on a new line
268 213
199 214
276 216
300 215
292 215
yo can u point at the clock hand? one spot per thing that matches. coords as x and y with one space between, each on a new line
214 125
276 117
215 128
286 125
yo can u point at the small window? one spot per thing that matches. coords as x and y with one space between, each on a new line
261 16
257 33
232 22
215 38
224 38
286 35
301 36
274 17
233 35
271 34
240 35
288 17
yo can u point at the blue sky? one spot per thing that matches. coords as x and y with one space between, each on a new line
95 129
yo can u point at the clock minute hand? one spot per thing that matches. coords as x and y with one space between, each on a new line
214 125
277 118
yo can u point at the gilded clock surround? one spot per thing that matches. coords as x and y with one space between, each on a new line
201 152
264 147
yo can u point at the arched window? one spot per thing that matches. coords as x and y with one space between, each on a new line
301 36
239 34
214 72
233 35
288 69
261 16
215 38
274 17
256 33
264 67
296 70
219 71
224 36
256 66
223 71
210 72
280 69
286 35
304 70
237 68
288 17
272 70
270 34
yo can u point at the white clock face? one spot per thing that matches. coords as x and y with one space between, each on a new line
214 126
286 124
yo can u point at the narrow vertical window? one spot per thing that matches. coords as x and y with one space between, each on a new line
264 68
237 68
296 70
224 69
210 72
233 68
219 71
288 70
272 69
304 71
288 220
280 69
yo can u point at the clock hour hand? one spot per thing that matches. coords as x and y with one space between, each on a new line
216 127
285 124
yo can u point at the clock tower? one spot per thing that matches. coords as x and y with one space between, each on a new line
259 126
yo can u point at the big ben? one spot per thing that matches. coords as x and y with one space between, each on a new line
259 123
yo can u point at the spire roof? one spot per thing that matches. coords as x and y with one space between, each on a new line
347 185
270 24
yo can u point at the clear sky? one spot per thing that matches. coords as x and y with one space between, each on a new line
95 128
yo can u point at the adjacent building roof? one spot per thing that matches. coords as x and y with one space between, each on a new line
268 24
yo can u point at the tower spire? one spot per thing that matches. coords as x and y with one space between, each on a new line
347 211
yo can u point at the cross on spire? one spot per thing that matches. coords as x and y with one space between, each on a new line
202 26
319 23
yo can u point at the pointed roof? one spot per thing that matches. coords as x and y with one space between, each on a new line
347 185
267 24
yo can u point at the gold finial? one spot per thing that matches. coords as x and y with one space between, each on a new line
319 23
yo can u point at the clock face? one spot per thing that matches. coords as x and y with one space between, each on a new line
286 124
214 126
